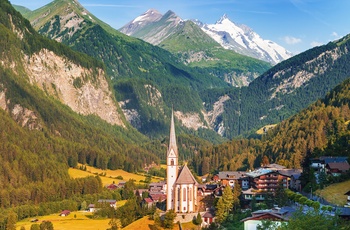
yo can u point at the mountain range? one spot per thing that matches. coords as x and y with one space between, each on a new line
194 47
156 28
243 40
149 79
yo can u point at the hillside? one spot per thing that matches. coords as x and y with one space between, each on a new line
321 129
283 90
40 135
130 63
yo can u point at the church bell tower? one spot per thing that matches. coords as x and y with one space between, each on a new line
172 166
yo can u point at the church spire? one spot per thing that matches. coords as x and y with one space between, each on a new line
172 140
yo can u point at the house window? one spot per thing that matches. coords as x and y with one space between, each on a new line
172 162
184 194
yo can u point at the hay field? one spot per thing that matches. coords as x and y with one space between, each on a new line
108 176
68 222
335 193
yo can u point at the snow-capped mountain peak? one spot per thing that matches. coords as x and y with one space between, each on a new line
244 40
144 19
224 17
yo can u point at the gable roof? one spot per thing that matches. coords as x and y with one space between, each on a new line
274 166
185 177
342 166
328 159
266 216
226 175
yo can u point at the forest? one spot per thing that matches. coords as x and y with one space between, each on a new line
321 129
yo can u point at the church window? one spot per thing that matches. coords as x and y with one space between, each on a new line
178 194
184 194
172 162
190 194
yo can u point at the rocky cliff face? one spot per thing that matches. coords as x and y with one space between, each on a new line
84 91
23 116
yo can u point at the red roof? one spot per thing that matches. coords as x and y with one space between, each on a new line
148 200
65 212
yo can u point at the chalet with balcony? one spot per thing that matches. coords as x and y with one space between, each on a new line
266 180
230 178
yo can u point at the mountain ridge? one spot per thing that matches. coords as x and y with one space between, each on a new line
194 48
244 40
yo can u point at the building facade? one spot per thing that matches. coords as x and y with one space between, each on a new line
181 185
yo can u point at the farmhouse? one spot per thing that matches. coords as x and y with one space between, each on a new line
65 213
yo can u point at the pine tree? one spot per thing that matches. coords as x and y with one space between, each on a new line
11 221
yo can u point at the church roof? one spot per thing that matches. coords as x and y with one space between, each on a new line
172 138
186 177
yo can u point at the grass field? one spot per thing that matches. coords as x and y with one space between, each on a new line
335 193
143 224
108 176
68 222
267 127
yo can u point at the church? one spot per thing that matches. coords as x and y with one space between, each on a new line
181 185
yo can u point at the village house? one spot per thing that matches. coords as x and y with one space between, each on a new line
348 199
208 217
65 213
249 194
264 179
319 164
295 182
231 178
91 208
276 215
337 168
112 203
147 202
157 188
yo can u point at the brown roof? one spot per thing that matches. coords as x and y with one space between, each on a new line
343 166
186 177
209 215
266 216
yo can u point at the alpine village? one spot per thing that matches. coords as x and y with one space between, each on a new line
159 125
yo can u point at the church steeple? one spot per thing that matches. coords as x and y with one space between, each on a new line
172 140
172 165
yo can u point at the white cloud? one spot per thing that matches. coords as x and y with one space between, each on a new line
335 34
314 43
110 5
291 40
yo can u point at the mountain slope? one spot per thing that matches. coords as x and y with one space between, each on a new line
321 129
284 90
194 47
126 59
244 40
40 135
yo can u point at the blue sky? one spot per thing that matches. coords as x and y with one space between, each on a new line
297 25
